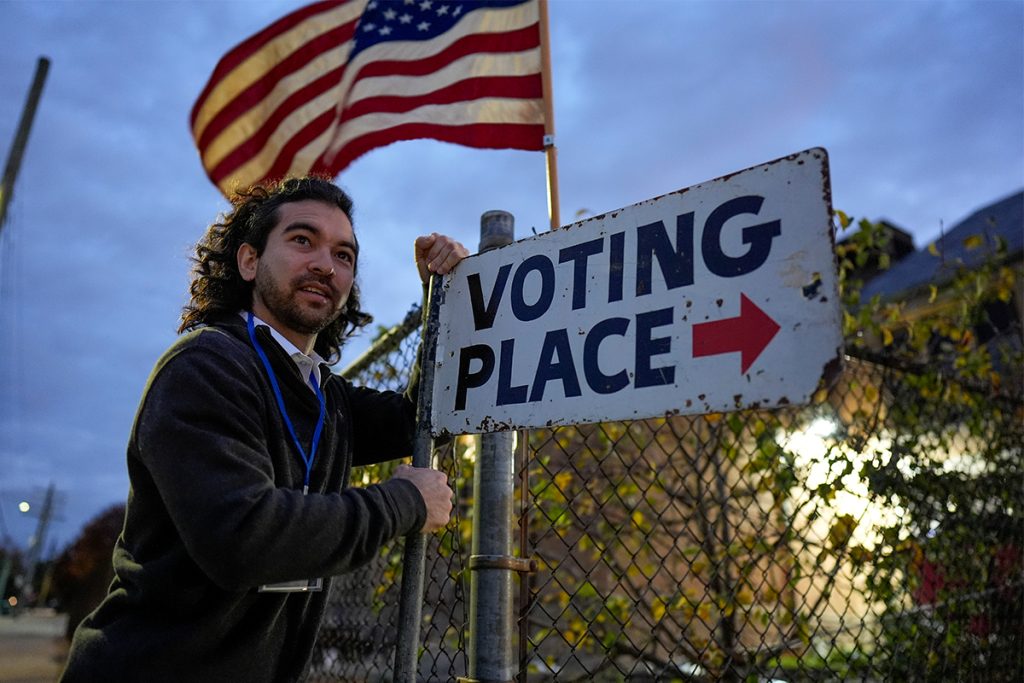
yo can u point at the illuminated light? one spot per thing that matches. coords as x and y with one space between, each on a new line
822 427
822 461
12 601
24 506
469 444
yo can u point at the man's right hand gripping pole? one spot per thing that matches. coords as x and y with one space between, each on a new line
437 495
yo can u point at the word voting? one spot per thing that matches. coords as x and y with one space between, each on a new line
733 240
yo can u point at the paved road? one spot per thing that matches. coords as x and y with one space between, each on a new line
32 647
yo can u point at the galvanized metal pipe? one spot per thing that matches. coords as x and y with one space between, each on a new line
410 612
490 595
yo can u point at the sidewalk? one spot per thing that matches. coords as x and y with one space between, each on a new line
32 646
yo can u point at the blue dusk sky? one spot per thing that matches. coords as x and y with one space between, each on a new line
920 104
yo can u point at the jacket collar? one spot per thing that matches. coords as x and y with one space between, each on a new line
235 325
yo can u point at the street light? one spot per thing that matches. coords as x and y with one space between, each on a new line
24 506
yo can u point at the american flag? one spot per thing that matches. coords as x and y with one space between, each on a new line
336 79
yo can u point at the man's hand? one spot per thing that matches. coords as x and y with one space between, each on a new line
437 254
437 495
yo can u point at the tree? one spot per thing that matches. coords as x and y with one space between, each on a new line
84 571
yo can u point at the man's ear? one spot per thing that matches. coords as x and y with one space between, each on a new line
247 260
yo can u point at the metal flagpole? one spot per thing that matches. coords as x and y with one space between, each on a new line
551 158
21 137
550 151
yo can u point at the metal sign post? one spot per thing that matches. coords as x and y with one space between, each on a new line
491 564
718 297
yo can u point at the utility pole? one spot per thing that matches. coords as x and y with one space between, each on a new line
35 545
11 169
28 114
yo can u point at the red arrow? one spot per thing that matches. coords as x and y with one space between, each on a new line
748 334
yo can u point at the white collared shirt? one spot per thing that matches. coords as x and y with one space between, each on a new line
305 364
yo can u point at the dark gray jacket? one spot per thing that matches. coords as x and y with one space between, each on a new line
216 509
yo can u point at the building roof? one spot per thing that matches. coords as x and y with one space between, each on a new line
1004 218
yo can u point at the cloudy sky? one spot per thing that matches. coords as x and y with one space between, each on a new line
919 103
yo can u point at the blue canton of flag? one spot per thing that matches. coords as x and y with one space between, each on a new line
394 20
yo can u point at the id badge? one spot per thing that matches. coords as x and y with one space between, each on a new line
300 586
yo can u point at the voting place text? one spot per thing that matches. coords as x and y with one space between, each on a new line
714 298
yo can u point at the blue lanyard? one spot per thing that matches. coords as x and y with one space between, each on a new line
307 459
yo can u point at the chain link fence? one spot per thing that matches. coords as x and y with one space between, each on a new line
357 638
874 535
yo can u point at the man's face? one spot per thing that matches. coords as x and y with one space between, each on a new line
305 273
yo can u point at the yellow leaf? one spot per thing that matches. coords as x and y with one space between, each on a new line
658 609
844 220
638 518
563 479
887 338
713 417
973 242
849 322
934 293
933 249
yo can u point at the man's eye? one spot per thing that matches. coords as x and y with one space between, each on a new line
301 239
345 256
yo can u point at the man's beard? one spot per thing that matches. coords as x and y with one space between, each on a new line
282 304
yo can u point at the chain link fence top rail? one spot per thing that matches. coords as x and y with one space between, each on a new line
874 535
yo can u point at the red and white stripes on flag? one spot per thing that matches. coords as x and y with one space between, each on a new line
335 79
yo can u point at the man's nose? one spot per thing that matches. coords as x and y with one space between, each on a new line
322 263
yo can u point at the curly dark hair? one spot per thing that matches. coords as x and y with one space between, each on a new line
217 288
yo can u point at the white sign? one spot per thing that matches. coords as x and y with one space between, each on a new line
714 298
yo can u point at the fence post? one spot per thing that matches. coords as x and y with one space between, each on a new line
491 564
410 602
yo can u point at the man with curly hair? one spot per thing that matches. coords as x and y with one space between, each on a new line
239 510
